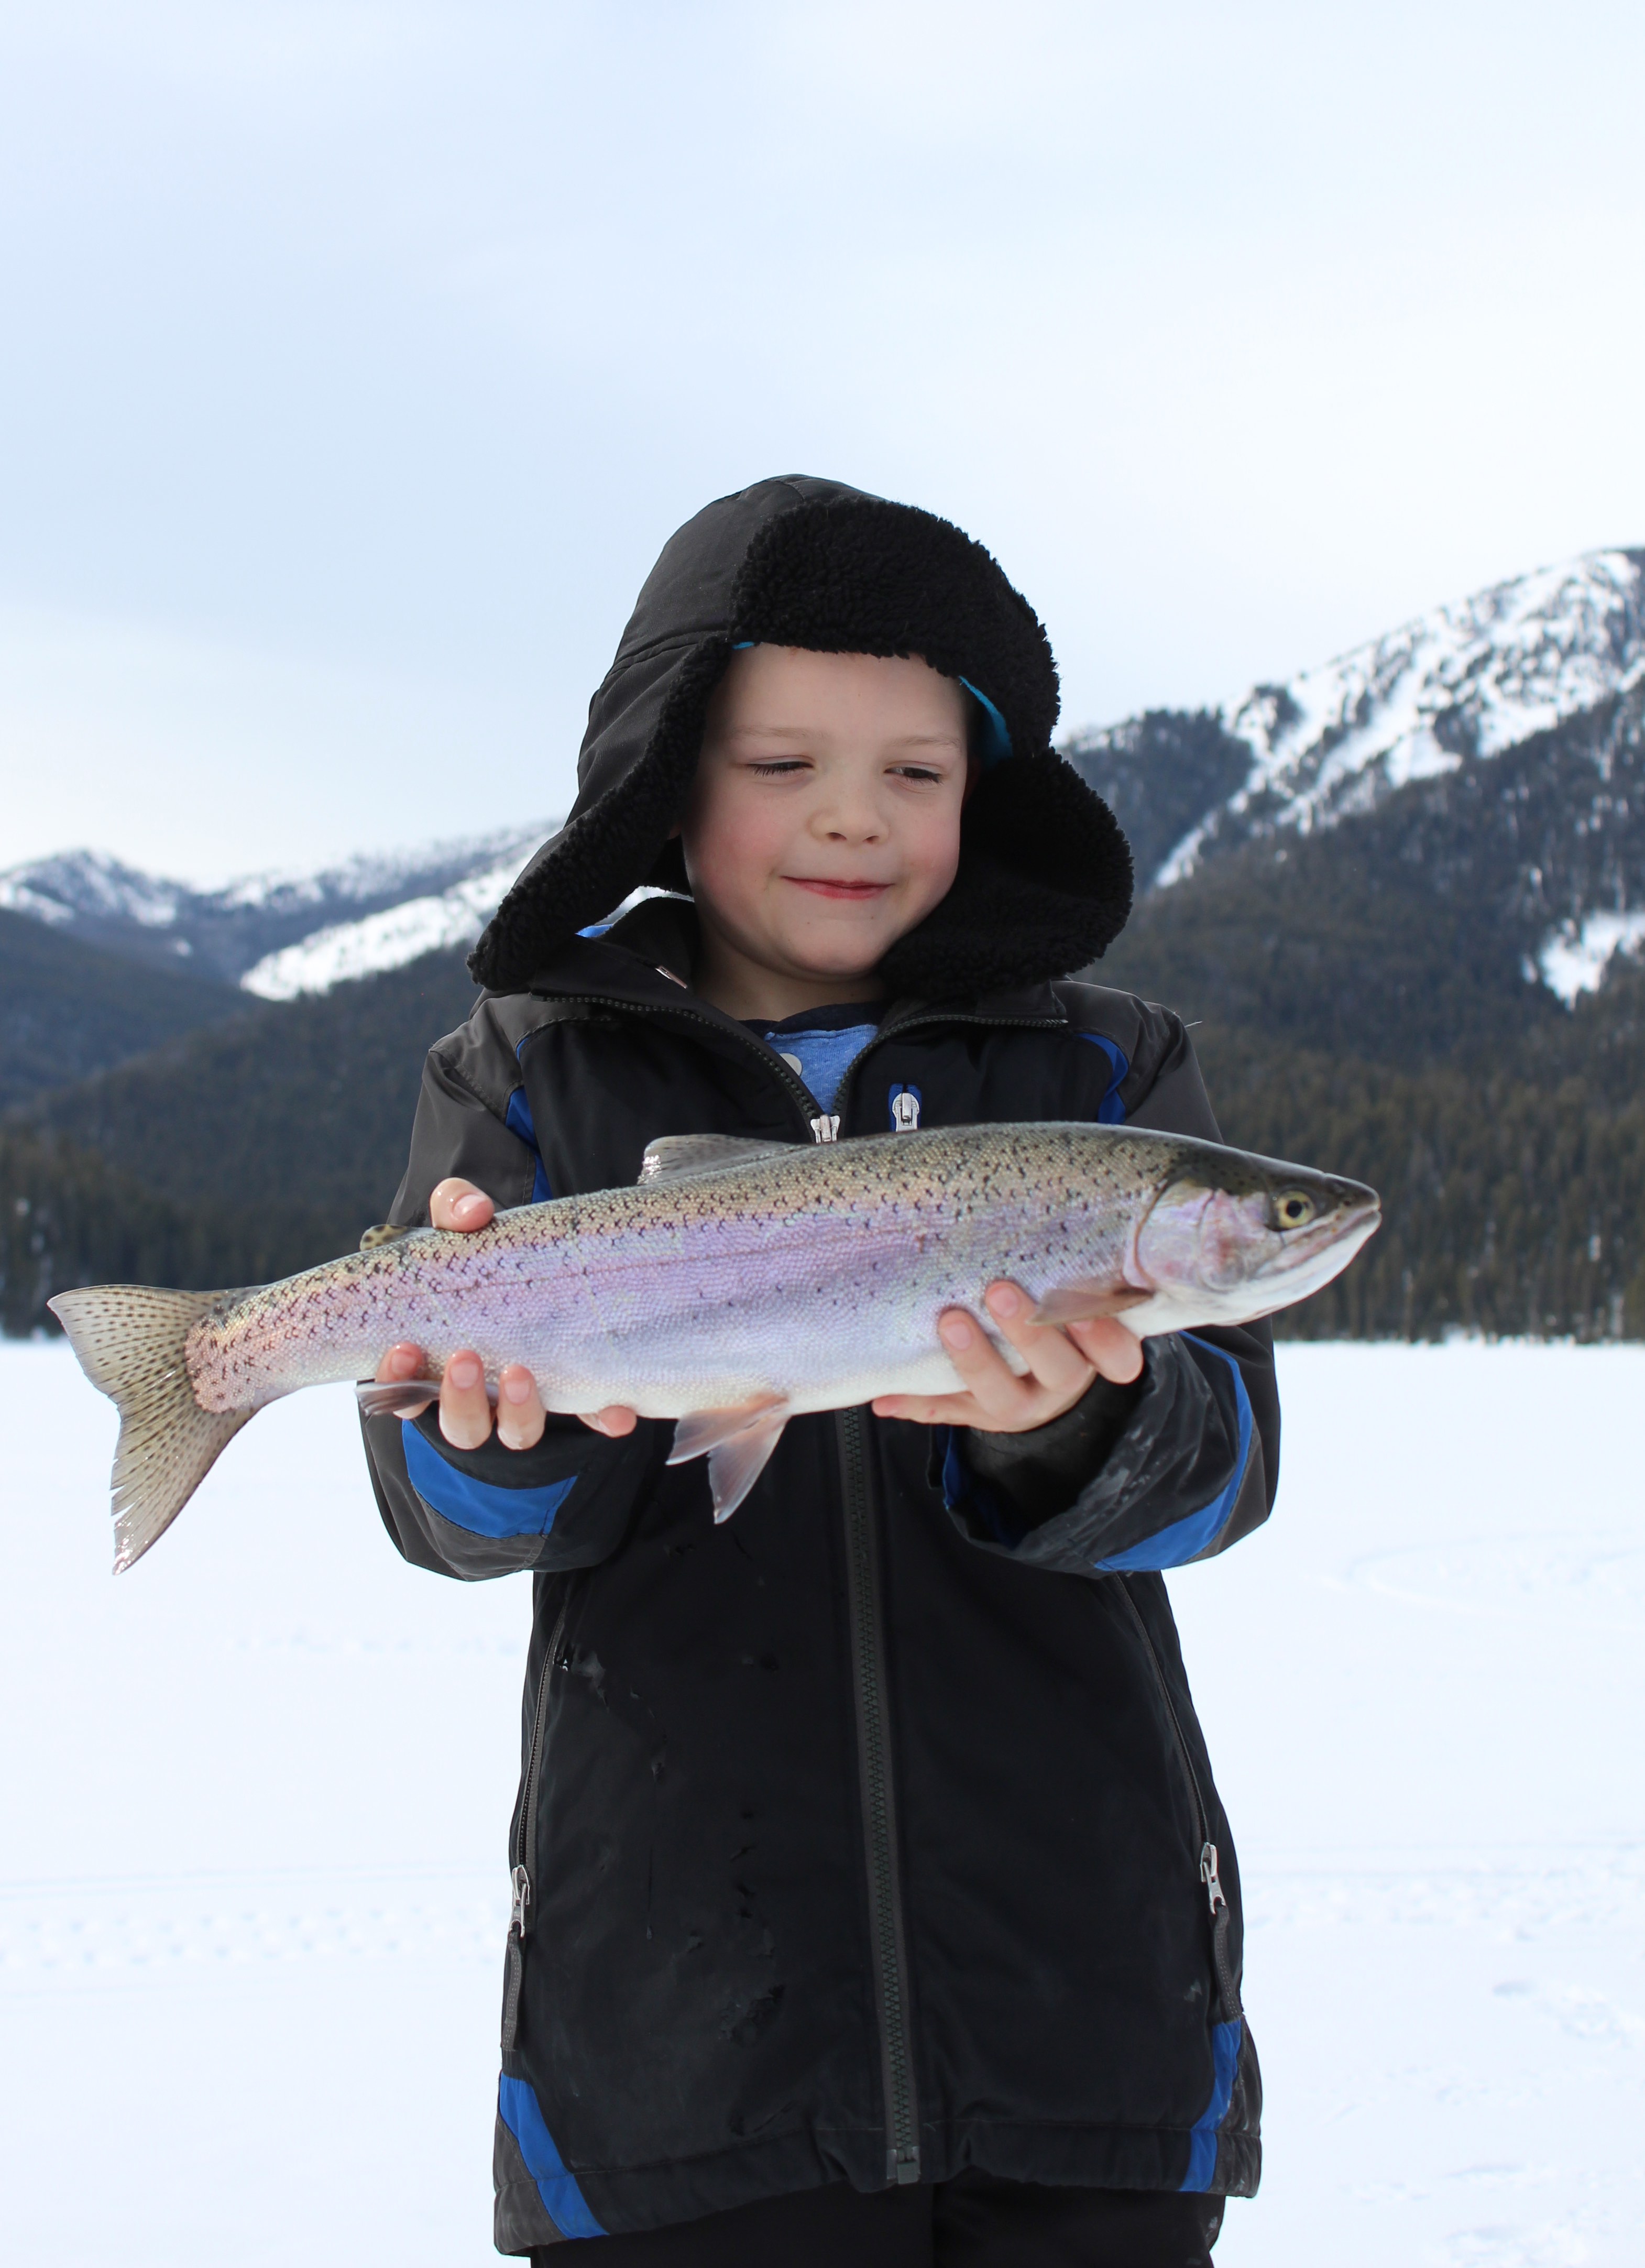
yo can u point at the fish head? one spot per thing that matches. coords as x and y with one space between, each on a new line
1235 1237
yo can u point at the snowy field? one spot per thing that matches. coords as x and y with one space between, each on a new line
253 1794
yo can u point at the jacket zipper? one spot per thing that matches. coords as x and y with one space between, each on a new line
1221 1917
885 1897
826 1127
525 1851
879 1808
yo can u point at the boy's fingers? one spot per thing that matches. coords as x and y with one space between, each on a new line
1003 1398
465 1413
936 1409
402 1362
1109 1348
457 1203
1061 1367
614 1420
520 1413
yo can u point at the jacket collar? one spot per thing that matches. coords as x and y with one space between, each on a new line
644 960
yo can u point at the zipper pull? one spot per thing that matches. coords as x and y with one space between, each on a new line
905 1109
825 1128
522 1899
1208 1875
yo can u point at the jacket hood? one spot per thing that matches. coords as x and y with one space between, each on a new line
1044 879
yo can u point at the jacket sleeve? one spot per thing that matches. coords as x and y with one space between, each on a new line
492 1511
1173 1468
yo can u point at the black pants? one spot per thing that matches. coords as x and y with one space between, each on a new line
972 2222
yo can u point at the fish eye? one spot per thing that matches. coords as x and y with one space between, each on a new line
1293 1208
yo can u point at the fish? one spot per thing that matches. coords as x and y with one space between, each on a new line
736 1286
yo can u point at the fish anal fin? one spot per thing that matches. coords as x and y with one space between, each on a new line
1086 1303
733 1466
673 1154
704 1430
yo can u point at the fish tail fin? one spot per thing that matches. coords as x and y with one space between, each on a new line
129 1340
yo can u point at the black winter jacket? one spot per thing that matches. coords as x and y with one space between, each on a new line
870 1836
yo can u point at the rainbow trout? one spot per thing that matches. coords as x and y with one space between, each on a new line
738 1284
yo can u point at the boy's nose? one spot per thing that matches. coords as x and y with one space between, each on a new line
846 819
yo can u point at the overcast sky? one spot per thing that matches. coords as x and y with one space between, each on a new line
356 360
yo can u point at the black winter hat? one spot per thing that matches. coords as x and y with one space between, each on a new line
1045 878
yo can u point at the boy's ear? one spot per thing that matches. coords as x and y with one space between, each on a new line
973 773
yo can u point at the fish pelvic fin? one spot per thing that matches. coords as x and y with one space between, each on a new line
735 1465
129 1339
1085 1303
737 1442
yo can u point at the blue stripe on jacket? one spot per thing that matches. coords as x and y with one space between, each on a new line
1110 1111
1186 1538
518 2107
1202 2139
478 1505
520 1122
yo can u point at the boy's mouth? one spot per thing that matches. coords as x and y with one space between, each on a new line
825 887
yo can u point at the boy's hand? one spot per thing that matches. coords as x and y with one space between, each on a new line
465 1409
1061 1363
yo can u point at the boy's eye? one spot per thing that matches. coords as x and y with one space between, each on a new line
779 767
921 774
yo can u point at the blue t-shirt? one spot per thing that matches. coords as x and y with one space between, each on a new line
821 1042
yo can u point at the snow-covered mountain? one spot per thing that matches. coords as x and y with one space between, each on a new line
283 933
1457 687
385 939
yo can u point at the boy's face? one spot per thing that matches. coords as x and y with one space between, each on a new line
825 819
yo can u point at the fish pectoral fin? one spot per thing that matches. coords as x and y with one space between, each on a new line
705 1429
733 1466
402 1398
672 1154
1084 1303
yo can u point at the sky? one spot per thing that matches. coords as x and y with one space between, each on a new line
356 360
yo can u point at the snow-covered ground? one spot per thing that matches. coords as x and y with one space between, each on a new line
253 1799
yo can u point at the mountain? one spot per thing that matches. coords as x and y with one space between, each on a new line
1547 669
232 1155
370 913
1399 897
68 1009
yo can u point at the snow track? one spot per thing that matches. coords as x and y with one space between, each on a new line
252 1896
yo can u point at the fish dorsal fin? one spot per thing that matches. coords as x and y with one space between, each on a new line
672 1154
386 1232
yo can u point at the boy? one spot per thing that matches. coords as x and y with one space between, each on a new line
873 1902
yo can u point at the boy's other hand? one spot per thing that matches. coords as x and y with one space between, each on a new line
465 1408
1061 1365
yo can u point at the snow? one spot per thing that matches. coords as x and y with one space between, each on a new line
439 894
253 1893
1575 957
1481 675
91 883
382 941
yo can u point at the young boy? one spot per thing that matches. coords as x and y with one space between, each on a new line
873 1902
